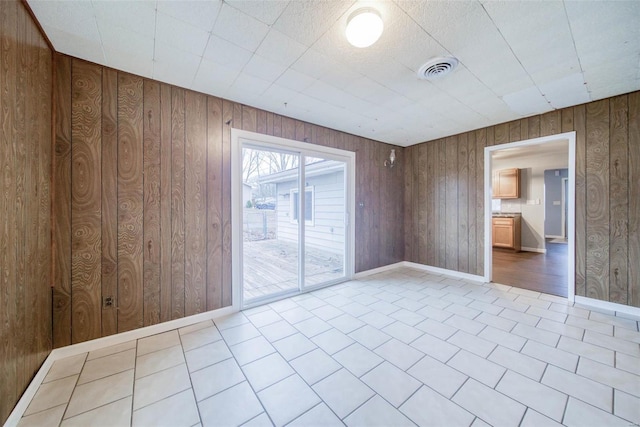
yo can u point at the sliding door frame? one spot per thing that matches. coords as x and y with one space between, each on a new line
268 142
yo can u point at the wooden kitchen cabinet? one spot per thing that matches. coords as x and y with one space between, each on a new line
506 232
506 184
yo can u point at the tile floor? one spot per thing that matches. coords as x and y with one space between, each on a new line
399 348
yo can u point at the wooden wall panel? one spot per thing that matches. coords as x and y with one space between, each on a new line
607 157
597 186
130 202
215 128
633 227
62 204
109 197
166 145
618 199
195 203
86 201
25 203
177 203
152 130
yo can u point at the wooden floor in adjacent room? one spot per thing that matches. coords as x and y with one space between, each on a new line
534 271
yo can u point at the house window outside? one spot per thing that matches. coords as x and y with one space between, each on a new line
308 205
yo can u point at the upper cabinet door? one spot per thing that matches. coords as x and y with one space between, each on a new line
506 184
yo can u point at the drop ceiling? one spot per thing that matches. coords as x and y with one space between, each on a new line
517 58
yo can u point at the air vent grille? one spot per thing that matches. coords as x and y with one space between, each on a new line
437 68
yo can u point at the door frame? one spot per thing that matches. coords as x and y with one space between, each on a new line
238 137
563 218
571 237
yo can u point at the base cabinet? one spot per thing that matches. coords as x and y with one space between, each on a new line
506 233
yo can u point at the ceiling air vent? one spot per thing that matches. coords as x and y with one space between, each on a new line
437 68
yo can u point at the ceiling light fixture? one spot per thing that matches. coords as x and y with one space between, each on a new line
364 27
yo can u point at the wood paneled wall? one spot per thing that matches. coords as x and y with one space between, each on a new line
142 210
25 200
444 202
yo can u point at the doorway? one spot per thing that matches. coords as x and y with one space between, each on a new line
291 204
530 199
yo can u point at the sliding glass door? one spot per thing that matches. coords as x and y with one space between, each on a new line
294 219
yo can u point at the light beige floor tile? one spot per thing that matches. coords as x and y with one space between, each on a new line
231 407
586 350
626 406
250 350
319 415
108 365
195 327
440 377
614 343
160 385
293 346
115 414
536 419
288 399
314 366
531 393
200 337
493 407
158 342
476 367
587 390
264 318
346 323
399 353
536 334
580 414
278 330
472 343
215 378
151 363
343 392
100 392
207 355
261 420
240 333
628 363
394 385
505 339
616 378
266 371
230 321
358 359
518 362
428 408
65 367
111 350
52 394
553 356
175 411
47 418
332 341
377 412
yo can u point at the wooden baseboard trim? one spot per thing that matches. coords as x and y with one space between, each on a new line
444 271
382 269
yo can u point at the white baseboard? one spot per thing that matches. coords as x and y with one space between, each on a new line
84 347
551 236
538 250
382 269
444 271
606 305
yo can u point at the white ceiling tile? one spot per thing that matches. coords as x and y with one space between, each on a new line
280 48
240 28
71 44
527 101
226 53
214 78
120 40
136 16
279 95
614 89
76 15
249 86
200 14
129 62
263 68
306 21
178 34
569 90
266 11
294 80
175 66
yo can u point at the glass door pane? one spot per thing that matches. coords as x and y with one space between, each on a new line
270 243
324 220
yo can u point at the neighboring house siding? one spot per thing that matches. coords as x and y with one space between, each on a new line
327 231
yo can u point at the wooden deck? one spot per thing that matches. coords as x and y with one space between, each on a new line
271 266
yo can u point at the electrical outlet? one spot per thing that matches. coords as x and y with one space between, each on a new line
107 302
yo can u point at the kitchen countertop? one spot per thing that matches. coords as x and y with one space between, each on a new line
505 214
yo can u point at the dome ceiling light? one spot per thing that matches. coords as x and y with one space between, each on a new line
364 27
